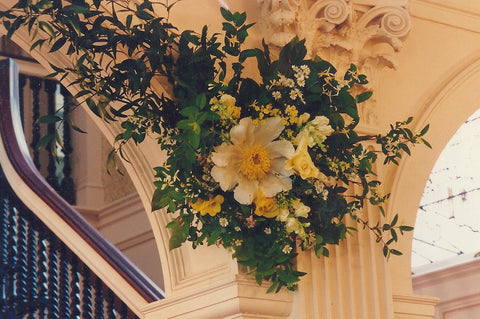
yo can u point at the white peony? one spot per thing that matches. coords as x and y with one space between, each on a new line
253 161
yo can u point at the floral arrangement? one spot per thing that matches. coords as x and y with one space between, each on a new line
261 165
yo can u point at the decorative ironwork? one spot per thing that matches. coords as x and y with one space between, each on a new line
35 86
38 272
36 268
67 186
50 88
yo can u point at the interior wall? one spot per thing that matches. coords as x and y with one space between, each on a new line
436 82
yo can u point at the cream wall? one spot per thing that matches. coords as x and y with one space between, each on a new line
436 80
455 282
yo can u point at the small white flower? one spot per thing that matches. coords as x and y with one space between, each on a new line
301 81
287 249
277 95
223 222
238 242
292 225
283 215
325 194
268 230
301 210
305 69
237 228
293 94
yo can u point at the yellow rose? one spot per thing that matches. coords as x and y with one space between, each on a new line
212 206
225 107
234 111
301 163
227 100
266 206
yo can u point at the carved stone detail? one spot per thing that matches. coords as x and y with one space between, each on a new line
363 32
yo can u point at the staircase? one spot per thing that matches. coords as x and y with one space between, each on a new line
53 263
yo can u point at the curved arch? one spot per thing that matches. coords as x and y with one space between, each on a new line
447 109
184 268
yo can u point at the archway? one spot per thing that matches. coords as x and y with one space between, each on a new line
447 109
447 221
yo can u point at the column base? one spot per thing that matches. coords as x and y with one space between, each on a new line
239 299
414 307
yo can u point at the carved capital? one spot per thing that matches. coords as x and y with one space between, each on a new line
364 32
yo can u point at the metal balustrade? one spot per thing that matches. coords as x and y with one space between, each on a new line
40 277
40 97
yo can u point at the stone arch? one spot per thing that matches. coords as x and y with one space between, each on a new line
183 268
448 107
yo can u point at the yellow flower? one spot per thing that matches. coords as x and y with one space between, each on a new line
234 111
212 206
225 107
266 206
301 163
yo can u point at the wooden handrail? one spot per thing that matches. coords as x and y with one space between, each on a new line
13 140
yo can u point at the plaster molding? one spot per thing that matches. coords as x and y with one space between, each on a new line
440 106
367 33
461 303
414 307
453 273
239 298
451 13
133 242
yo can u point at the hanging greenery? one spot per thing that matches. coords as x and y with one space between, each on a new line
261 164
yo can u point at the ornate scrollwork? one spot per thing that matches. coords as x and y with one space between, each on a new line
343 31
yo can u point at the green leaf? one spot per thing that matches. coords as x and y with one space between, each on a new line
287 276
229 28
49 119
178 236
249 53
394 220
72 125
159 199
38 43
76 9
385 251
363 96
426 143
44 141
406 228
396 252
239 18
144 15
44 4
424 130
201 101
58 44
47 28
226 14
394 234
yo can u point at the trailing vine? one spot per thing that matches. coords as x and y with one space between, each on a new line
261 164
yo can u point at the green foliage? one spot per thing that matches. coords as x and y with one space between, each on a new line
119 57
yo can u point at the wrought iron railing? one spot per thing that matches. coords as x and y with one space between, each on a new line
44 96
40 277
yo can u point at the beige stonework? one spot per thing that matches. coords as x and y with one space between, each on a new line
425 63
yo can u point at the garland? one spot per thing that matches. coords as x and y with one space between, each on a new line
261 165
